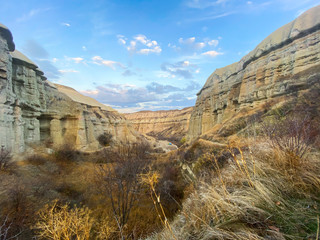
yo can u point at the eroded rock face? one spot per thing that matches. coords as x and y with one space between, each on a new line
170 125
33 110
286 62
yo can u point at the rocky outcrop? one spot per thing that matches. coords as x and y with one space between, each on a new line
170 125
33 110
282 65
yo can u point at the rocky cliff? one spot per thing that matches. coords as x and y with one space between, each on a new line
170 125
33 110
284 64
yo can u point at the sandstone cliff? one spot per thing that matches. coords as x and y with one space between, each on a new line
170 125
33 110
281 66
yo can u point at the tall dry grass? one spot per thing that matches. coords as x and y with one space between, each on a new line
257 195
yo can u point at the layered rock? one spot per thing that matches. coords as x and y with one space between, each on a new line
170 125
282 65
33 110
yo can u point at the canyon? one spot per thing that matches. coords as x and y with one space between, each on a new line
171 125
283 66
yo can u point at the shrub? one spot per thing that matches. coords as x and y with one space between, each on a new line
62 222
183 140
105 139
66 153
292 136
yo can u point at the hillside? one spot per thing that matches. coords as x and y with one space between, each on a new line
281 67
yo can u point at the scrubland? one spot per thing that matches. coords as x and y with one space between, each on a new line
261 181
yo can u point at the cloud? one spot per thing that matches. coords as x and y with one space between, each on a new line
191 45
66 24
77 59
130 98
140 44
213 42
50 71
202 4
33 12
121 94
212 53
41 57
122 39
161 89
68 71
35 50
128 73
211 16
183 69
111 64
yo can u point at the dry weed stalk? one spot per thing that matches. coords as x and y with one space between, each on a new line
151 179
244 168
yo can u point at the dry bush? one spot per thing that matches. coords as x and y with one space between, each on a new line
67 153
119 183
105 139
292 137
62 222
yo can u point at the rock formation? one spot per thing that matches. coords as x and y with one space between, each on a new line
33 110
171 125
281 66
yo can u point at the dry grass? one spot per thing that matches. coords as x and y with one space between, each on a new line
254 197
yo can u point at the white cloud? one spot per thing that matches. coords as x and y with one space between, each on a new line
68 71
249 2
77 59
84 48
111 64
213 42
140 44
211 53
66 24
31 14
202 4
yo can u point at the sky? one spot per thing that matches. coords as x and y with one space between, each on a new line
138 55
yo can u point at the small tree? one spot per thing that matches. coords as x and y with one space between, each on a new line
120 184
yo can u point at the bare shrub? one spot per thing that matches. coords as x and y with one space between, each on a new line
66 153
292 136
119 182
62 222
105 139
5 158
5 229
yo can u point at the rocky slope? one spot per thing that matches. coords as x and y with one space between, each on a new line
171 125
33 110
284 64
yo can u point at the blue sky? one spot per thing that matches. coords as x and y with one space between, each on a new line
141 54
